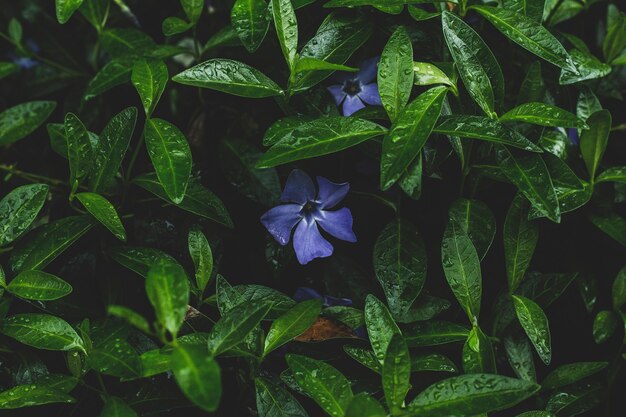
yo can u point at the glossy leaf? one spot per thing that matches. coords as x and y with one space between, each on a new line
432 362
272 400
149 78
167 288
478 353
380 326
426 73
78 149
604 325
139 259
612 224
292 324
325 384
570 373
115 357
530 175
38 285
618 289
251 20
396 373
113 144
230 77
286 29
18 210
66 8
535 324
408 134
116 407
594 140
23 119
520 240
319 137
477 221
30 395
543 115
482 128
115 72
461 267
400 265
41 331
198 376
532 9
478 68
470 395
613 174
431 333
100 208
363 405
170 155
519 352
202 257
395 73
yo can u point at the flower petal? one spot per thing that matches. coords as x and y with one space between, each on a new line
305 293
352 104
330 301
337 92
299 188
367 70
330 193
280 220
337 223
309 243
370 95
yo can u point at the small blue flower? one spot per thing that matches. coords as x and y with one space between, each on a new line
572 134
306 293
357 89
307 211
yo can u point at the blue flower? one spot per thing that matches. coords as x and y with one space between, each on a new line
306 293
357 89
572 134
306 211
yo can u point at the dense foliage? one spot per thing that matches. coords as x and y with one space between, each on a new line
289 208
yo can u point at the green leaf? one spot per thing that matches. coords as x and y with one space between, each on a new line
174 25
536 414
520 240
167 287
100 208
272 400
533 9
193 9
362 405
476 220
115 72
115 357
30 395
543 115
198 199
604 325
201 256
432 333
149 78
170 155
411 181
470 395
575 400
41 331
138 259
66 8
198 376
400 264
395 73
396 373
20 121
47 242
325 384
380 326
478 355
337 38
79 152
38 285
313 64
251 20
154 362
528 34
127 41
482 128
96 12
618 289
535 324
129 315
408 134
292 324
530 175
319 137
116 407
426 73
238 159
612 224
461 267
432 362
235 325
593 141
519 353
230 77
113 144
365 357
15 31
570 373
478 68
18 210
588 68
613 174
8 68
286 29
614 42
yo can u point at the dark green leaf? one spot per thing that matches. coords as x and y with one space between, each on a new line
100 208
519 352
520 239
593 141
286 29
431 333
115 357
396 373
570 373
66 8
380 326
251 20
614 174
604 325
116 407
362 405
131 316
543 115
149 78
532 9
292 324
174 25
30 395
115 72
198 376
272 400
79 152
38 285
41 331
478 355
201 256
18 210
588 68
20 121
193 9
535 324
477 221
431 362
612 224
167 287
618 290
395 73
139 259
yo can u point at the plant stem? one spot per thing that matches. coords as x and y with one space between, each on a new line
31 177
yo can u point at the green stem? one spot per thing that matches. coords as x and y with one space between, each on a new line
30 176
133 158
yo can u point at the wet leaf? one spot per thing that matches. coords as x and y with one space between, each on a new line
520 240
167 288
535 324
593 141
272 400
18 210
543 115
477 221
100 208
23 119
431 333
251 20
235 325
396 373
395 73
380 326
41 331
292 324
286 29
198 376
149 78
38 285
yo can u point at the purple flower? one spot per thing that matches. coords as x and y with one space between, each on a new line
306 211
357 89
306 293
572 134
